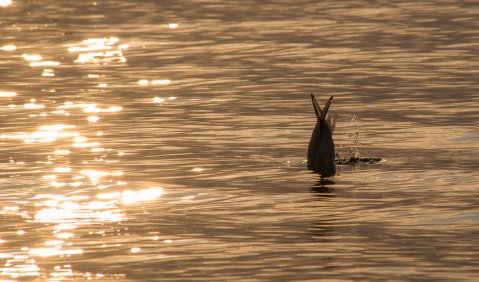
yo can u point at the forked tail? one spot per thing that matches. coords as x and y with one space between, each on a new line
321 114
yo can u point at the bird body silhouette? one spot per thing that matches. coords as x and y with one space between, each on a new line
321 152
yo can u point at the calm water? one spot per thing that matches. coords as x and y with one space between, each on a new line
158 140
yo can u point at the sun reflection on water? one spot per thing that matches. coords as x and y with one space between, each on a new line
131 197
7 94
20 266
74 196
32 57
48 72
100 50
94 109
44 64
5 3
33 106
48 252
68 212
62 152
95 175
93 118
9 47
154 82
46 133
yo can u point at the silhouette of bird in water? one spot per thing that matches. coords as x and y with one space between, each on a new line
321 153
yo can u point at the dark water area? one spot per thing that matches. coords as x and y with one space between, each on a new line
166 140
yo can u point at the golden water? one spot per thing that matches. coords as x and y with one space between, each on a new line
159 140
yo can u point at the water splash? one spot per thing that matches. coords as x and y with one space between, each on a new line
352 156
354 137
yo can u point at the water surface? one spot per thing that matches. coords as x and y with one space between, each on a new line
158 140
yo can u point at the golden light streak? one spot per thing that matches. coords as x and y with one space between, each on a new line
158 100
80 139
49 176
9 47
160 82
86 145
65 226
59 112
93 118
70 105
92 47
78 213
94 109
5 3
20 266
57 198
32 57
48 72
101 41
135 250
94 175
99 50
64 235
109 196
44 64
62 169
57 184
66 272
56 127
46 133
53 242
172 25
154 82
48 252
40 115
33 106
62 152
131 197
14 136
7 94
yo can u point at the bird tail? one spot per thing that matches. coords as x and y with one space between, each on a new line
321 114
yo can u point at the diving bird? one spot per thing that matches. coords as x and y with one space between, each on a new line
321 153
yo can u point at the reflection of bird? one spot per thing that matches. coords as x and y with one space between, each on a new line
321 146
323 188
